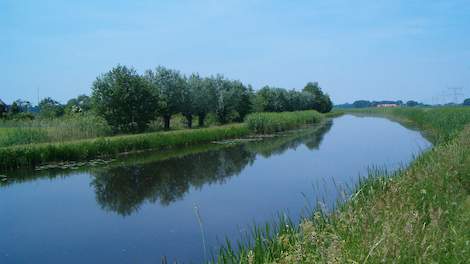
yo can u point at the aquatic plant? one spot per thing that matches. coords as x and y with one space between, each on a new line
263 123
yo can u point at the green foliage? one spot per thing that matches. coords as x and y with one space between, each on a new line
204 95
263 123
81 104
49 108
321 102
412 103
14 109
35 154
169 86
3 109
28 131
125 100
466 102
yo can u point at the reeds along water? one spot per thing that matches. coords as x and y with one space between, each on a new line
415 215
18 132
35 154
70 138
263 123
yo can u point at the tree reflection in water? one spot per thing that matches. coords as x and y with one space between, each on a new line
124 189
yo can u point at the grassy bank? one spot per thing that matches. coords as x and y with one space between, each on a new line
31 155
263 123
420 215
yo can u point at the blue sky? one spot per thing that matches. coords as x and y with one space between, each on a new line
354 49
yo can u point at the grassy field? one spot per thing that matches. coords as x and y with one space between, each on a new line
418 215
30 155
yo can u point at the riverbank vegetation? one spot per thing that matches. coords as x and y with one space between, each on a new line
420 214
31 155
264 123
124 102
130 102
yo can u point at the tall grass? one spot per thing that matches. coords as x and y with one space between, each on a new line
417 215
263 123
442 123
60 144
35 154
17 132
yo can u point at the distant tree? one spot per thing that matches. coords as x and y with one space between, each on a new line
3 109
188 107
80 104
224 106
22 106
14 109
321 102
271 99
466 102
198 99
169 86
242 100
412 103
124 99
362 104
49 108
205 97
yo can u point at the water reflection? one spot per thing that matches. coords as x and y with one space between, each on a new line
124 186
122 189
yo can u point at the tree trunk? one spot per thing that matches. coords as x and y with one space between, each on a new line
167 122
202 117
189 118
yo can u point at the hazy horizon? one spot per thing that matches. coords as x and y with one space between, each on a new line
373 50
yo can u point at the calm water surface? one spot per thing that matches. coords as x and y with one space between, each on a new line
141 208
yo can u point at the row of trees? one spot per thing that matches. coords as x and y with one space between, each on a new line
129 101
47 108
366 103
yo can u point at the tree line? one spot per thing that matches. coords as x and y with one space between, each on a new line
129 101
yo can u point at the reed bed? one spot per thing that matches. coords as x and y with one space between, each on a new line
35 154
32 143
264 123
420 214
17 132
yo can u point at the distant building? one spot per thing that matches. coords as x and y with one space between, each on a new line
387 105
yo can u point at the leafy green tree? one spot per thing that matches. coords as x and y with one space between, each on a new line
412 103
204 98
50 108
15 109
188 107
466 102
198 99
361 104
80 104
124 99
242 99
3 109
321 102
22 106
169 86
224 106
271 99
